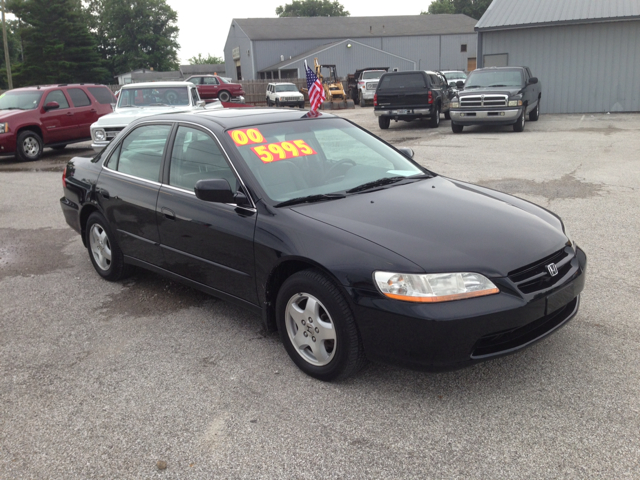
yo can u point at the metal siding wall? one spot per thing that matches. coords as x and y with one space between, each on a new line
268 51
583 68
237 38
425 51
451 56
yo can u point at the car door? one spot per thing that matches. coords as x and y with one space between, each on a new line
59 123
84 111
209 243
210 86
127 190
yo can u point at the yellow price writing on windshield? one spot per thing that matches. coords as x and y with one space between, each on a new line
247 136
283 150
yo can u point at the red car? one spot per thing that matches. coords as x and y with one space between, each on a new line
211 87
32 118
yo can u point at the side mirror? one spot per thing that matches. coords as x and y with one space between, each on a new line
201 103
215 190
51 106
406 151
532 80
241 200
459 84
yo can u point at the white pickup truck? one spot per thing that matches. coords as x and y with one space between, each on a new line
362 84
142 99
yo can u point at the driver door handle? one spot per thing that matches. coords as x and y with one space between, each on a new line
168 213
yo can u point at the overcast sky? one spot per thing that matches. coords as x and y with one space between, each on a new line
204 25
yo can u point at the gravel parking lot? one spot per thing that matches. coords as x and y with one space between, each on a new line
104 380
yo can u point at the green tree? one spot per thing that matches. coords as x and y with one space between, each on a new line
208 60
15 52
134 34
312 8
58 47
472 8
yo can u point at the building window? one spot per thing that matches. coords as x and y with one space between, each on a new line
463 47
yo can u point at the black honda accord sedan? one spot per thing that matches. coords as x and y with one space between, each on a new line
341 241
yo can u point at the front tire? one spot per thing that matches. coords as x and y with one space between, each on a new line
456 128
434 121
29 146
384 122
224 96
317 327
104 252
535 114
519 125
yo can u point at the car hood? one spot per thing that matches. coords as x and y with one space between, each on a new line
7 114
490 91
125 116
444 225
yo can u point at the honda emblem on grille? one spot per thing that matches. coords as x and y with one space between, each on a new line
553 269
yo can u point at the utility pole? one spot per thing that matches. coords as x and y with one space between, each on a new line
6 49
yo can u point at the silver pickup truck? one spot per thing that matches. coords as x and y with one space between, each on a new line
496 96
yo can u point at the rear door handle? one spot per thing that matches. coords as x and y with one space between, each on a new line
168 213
69 113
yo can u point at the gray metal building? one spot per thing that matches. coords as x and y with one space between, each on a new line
586 53
277 47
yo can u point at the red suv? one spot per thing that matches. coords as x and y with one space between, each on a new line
32 118
211 87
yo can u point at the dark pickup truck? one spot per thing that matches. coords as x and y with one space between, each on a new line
411 95
496 96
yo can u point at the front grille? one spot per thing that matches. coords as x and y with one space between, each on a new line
289 99
112 132
535 276
372 85
503 342
483 101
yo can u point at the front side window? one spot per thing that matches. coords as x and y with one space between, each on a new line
57 96
321 156
197 156
141 152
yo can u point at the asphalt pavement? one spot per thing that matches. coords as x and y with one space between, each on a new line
149 379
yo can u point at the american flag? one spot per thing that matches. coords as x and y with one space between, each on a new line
315 88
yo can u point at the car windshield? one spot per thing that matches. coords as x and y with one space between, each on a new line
25 100
494 78
318 157
153 96
455 76
371 75
286 88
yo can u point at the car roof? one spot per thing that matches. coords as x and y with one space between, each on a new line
179 83
239 117
282 83
61 85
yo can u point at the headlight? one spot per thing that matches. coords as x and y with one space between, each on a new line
515 103
454 104
99 135
4 127
570 241
433 287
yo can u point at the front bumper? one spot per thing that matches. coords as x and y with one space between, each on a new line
99 146
494 116
7 143
291 103
452 335
367 94
238 99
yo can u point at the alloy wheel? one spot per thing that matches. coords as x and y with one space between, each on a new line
31 147
100 247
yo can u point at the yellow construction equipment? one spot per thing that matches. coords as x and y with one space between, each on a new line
336 98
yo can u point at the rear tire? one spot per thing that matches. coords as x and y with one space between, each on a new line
29 146
384 122
434 121
456 128
362 101
104 252
535 113
224 96
277 102
268 102
317 327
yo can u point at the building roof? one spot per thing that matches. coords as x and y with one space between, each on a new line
507 14
153 76
296 28
202 69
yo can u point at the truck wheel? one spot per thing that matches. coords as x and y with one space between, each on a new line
277 102
362 102
29 146
456 128
519 125
535 114
447 115
268 102
224 96
434 121
384 122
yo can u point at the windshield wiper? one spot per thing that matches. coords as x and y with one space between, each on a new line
11 108
376 183
157 105
490 86
311 199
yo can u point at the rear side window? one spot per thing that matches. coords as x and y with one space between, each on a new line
78 97
102 94
406 80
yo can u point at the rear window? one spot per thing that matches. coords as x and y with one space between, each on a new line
78 97
405 80
102 94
